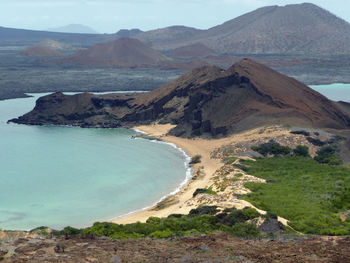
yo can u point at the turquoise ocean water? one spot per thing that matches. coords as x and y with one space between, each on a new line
59 176
336 92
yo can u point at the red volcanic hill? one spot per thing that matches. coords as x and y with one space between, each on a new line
124 52
46 48
41 51
207 100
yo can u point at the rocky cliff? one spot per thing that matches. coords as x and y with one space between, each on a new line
205 101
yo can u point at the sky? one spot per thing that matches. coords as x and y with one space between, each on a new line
109 16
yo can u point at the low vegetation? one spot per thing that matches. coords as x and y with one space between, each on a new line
316 142
327 155
203 220
204 191
301 150
271 148
230 160
196 159
301 132
307 193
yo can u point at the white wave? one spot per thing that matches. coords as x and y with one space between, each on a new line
178 189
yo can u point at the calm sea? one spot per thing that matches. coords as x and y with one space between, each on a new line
59 176
337 92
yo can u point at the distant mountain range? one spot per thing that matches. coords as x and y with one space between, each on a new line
293 29
23 37
73 28
304 29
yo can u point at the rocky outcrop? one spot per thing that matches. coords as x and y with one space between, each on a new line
206 101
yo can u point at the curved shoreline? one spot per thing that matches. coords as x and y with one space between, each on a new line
205 174
178 201
188 176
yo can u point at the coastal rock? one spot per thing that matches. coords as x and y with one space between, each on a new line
206 101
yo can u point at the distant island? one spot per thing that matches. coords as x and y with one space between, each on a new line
73 28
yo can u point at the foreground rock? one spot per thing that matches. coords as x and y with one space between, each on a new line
206 101
208 248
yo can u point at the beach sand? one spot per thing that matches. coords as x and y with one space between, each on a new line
208 170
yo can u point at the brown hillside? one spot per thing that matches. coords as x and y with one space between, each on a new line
293 29
195 51
124 52
207 100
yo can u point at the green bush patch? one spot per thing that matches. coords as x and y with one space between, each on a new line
305 192
229 160
272 148
301 150
204 191
200 221
327 155
196 159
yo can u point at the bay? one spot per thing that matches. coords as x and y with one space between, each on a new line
59 176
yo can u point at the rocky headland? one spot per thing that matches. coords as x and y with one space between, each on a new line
207 101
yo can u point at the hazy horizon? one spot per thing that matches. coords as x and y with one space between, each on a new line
109 16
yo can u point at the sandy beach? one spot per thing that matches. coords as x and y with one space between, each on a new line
210 172
192 147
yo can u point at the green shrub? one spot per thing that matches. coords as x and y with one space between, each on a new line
326 155
208 191
241 166
196 159
301 150
175 215
271 147
305 133
271 215
316 142
229 160
244 230
153 220
162 234
204 210
232 217
71 231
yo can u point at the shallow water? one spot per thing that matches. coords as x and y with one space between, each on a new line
336 92
59 176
